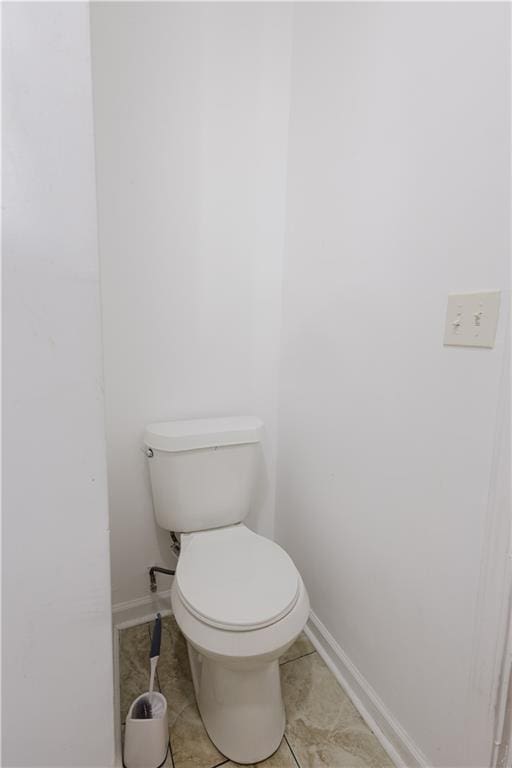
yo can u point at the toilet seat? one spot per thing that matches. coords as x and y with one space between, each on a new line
233 579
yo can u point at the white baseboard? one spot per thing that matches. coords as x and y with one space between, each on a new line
133 612
396 742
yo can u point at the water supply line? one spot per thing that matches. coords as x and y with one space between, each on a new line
152 578
175 547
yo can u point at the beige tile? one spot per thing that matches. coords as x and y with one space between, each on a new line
190 744
283 758
134 645
323 727
300 647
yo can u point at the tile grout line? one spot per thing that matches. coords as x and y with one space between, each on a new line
289 661
170 741
170 752
291 750
169 745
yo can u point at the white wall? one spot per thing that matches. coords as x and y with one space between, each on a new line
398 192
57 688
191 110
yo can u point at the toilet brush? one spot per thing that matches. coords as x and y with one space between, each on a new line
143 708
146 734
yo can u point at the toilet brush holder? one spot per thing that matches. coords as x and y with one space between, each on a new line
146 740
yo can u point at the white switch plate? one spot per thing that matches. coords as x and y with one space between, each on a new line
471 319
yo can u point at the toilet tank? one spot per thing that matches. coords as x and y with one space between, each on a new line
202 471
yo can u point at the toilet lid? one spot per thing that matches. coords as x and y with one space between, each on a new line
233 579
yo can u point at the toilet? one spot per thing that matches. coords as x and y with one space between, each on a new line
237 596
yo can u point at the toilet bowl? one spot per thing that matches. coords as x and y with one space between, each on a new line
253 608
237 597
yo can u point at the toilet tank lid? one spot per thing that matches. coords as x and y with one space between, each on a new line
190 434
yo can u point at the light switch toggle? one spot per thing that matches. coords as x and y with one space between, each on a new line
457 323
477 318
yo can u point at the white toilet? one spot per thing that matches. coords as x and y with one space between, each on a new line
237 597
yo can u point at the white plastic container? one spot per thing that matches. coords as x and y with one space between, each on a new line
146 741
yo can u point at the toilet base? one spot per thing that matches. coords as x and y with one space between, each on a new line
240 703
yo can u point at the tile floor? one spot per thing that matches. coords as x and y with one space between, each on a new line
324 730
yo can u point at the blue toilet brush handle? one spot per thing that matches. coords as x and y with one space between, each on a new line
143 709
157 637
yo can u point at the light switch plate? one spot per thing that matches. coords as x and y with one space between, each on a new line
471 319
